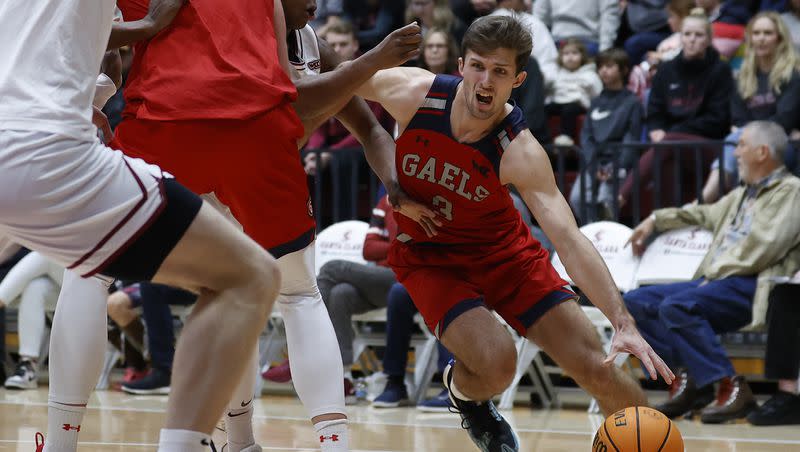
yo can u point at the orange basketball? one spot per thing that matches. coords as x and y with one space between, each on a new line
637 429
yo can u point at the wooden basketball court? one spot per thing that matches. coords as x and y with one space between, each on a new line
122 423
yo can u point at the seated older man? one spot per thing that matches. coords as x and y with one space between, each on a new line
756 228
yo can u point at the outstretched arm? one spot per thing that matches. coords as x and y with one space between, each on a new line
326 94
159 15
399 90
525 165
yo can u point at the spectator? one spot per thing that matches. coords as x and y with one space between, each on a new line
689 101
768 88
10 254
573 88
399 325
792 20
614 116
328 12
341 37
669 48
647 21
332 135
530 98
783 357
755 227
153 302
131 342
439 52
728 18
469 10
593 21
36 281
544 48
374 19
435 14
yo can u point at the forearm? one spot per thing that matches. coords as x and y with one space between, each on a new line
329 92
379 151
590 273
128 33
379 147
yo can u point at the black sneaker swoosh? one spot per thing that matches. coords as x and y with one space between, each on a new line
244 404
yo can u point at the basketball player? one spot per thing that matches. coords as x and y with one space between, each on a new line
461 145
203 101
97 212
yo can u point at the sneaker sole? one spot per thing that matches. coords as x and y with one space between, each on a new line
19 386
429 409
401 403
157 391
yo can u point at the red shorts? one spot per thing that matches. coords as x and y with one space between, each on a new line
519 283
253 166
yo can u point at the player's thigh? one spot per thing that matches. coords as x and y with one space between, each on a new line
567 335
214 255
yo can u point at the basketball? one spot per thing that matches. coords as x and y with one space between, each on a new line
637 429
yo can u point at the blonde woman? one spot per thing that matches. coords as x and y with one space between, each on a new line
768 88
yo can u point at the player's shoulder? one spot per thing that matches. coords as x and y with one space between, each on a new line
523 155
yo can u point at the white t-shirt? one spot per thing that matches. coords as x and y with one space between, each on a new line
304 53
50 55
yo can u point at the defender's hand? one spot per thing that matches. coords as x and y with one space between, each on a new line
100 120
400 46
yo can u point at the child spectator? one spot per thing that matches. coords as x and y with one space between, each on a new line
573 88
614 116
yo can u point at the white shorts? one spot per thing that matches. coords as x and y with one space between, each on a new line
77 202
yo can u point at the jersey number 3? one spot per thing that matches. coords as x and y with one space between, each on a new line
443 206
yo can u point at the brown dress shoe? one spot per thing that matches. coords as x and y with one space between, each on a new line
734 401
685 396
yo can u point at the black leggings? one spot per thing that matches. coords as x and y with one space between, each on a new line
783 335
568 115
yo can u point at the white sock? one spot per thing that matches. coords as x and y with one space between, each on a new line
239 428
456 392
333 435
63 426
183 441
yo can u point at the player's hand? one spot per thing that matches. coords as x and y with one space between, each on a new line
640 235
400 46
425 217
100 120
628 340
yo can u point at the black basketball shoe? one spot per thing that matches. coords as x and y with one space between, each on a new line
487 428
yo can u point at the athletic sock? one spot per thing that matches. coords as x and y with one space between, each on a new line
172 440
63 426
333 435
239 428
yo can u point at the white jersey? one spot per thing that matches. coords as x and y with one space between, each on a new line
50 55
304 53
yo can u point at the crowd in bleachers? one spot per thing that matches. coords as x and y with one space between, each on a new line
619 92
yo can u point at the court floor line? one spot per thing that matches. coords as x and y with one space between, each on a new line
124 444
420 425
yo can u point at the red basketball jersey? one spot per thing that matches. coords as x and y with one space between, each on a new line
460 181
217 60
